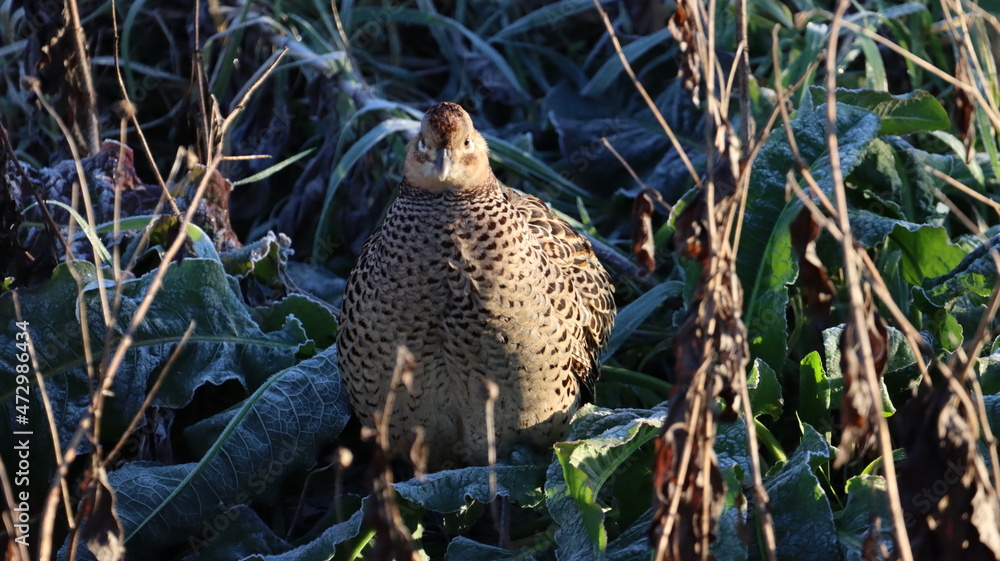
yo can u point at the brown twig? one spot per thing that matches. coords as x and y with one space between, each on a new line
645 96
851 269
92 130
743 74
129 109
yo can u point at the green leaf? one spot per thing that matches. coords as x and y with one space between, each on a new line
600 445
268 172
631 316
901 114
316 318
84 227
918 202
450 491
261 445
975 272
766 262
765 390
264 258
900 357
599 442
875 77
866 500
803 521
200 242
927 251
814 392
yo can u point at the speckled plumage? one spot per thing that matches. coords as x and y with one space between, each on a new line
478 281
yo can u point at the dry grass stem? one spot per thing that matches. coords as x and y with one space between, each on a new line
853 280
645 96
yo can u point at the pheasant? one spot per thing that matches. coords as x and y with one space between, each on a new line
479 282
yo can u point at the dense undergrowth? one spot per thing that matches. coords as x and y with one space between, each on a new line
223 430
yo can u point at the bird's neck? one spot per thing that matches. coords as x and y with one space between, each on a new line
485 189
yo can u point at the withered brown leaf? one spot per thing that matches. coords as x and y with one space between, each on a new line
643 244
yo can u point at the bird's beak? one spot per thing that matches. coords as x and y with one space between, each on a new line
443 163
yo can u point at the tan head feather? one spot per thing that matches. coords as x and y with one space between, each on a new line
448 152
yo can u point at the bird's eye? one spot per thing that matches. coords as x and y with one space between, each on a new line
420 145
468 141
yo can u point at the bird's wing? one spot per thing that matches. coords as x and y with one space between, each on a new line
573 255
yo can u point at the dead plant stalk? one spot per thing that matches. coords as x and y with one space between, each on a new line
851 269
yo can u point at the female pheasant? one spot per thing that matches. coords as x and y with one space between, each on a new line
479 282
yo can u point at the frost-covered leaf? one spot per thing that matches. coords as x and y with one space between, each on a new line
976 273
803 521
225 345
866 501
900 113
766 261
272 435
450 490
765 390
462 548
599 442
896 371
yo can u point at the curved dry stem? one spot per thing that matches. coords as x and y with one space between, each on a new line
853 278
645 96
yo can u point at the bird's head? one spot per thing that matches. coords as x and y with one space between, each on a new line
448 152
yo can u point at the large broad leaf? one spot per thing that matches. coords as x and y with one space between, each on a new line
272 435
766 262
926 251
896 372
450 490
866 501
242 535
601 443
461 549
225 345
901 114
803 521
976 273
